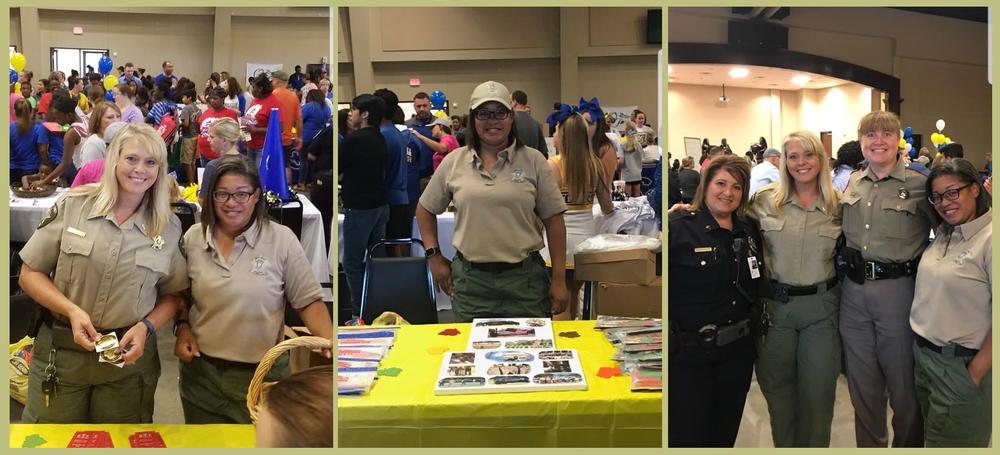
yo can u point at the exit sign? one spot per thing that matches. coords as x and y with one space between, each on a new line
414 82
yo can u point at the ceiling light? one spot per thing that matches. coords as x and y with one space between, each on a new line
800 80
738 72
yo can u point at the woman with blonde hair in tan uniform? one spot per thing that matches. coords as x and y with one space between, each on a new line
105 259
798 357
243 269
578 173
504 192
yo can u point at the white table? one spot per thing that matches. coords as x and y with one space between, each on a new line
446 230
25 214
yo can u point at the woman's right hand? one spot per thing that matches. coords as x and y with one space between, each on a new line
441 271
186 347
84 333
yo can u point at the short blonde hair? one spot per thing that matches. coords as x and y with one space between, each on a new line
227 129
879 121
157 198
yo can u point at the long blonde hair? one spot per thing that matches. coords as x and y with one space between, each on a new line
631 144
581 169
157 198
786 186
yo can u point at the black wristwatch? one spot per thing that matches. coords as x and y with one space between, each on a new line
431 252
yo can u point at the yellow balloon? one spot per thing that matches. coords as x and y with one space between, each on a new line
110 81
17 61
902 143
17 87
440 114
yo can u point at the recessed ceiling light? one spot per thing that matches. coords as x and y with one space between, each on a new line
738 72
800 80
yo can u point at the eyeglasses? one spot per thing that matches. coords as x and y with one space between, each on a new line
239 196
950 195
486 114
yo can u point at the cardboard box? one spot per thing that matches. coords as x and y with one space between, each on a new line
623 267
613 299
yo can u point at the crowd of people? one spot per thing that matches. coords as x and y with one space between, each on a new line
517 203
111 257
800 273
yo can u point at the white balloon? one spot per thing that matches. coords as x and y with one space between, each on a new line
908 147
940 124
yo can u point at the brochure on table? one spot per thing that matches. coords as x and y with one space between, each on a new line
510 355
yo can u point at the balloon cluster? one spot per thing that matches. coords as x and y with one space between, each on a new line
17 63
939 139
906 143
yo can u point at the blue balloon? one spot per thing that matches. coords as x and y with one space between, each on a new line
108 95
909 140
438 99
913 153
908 131
104 65
13 76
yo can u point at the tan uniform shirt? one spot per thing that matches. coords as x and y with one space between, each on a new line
498 212
113 272
952 302
239 302
888 220
799 242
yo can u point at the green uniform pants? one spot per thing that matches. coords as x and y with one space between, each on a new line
89 391
956 412
211 394
517 293
798 361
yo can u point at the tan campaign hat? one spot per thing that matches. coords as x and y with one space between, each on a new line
490 91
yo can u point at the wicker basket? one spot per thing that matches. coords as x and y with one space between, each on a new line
255 393
46 191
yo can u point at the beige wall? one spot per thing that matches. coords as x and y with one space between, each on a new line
941 62
289 41
15 28
146 37
695 111
520 47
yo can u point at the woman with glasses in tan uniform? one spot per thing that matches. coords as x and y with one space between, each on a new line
504 192
952 309
243 269
799 356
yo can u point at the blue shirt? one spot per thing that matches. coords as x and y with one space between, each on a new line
395 165
24 147
413 150
161 109
314 118
55 143
426 158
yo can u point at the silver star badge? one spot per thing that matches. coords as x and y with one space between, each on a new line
158 243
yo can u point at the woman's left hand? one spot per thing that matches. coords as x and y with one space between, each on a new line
977 372
133 342
559 296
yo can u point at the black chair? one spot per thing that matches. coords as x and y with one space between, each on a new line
289 214
185 212
15 267
403 285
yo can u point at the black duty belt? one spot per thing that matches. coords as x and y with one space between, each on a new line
783 291
223 364
875 270
712 336
498 267
959 350
51 322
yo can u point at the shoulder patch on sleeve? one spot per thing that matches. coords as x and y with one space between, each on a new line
50 217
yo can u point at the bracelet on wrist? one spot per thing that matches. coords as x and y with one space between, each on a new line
180 322
149 327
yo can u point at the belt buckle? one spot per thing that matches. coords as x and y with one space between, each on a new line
870 270
708 335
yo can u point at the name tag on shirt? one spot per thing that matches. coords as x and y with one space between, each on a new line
703 249
754 268
76 232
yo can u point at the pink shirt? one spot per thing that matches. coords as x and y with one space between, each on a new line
89 173
13 99
450 143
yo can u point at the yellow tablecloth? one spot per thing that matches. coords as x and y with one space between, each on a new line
174 435
403 411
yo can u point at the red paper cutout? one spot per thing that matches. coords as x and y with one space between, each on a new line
449 332
608 372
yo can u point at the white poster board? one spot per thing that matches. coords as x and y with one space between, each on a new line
618 115
255 68
510 355
692 147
